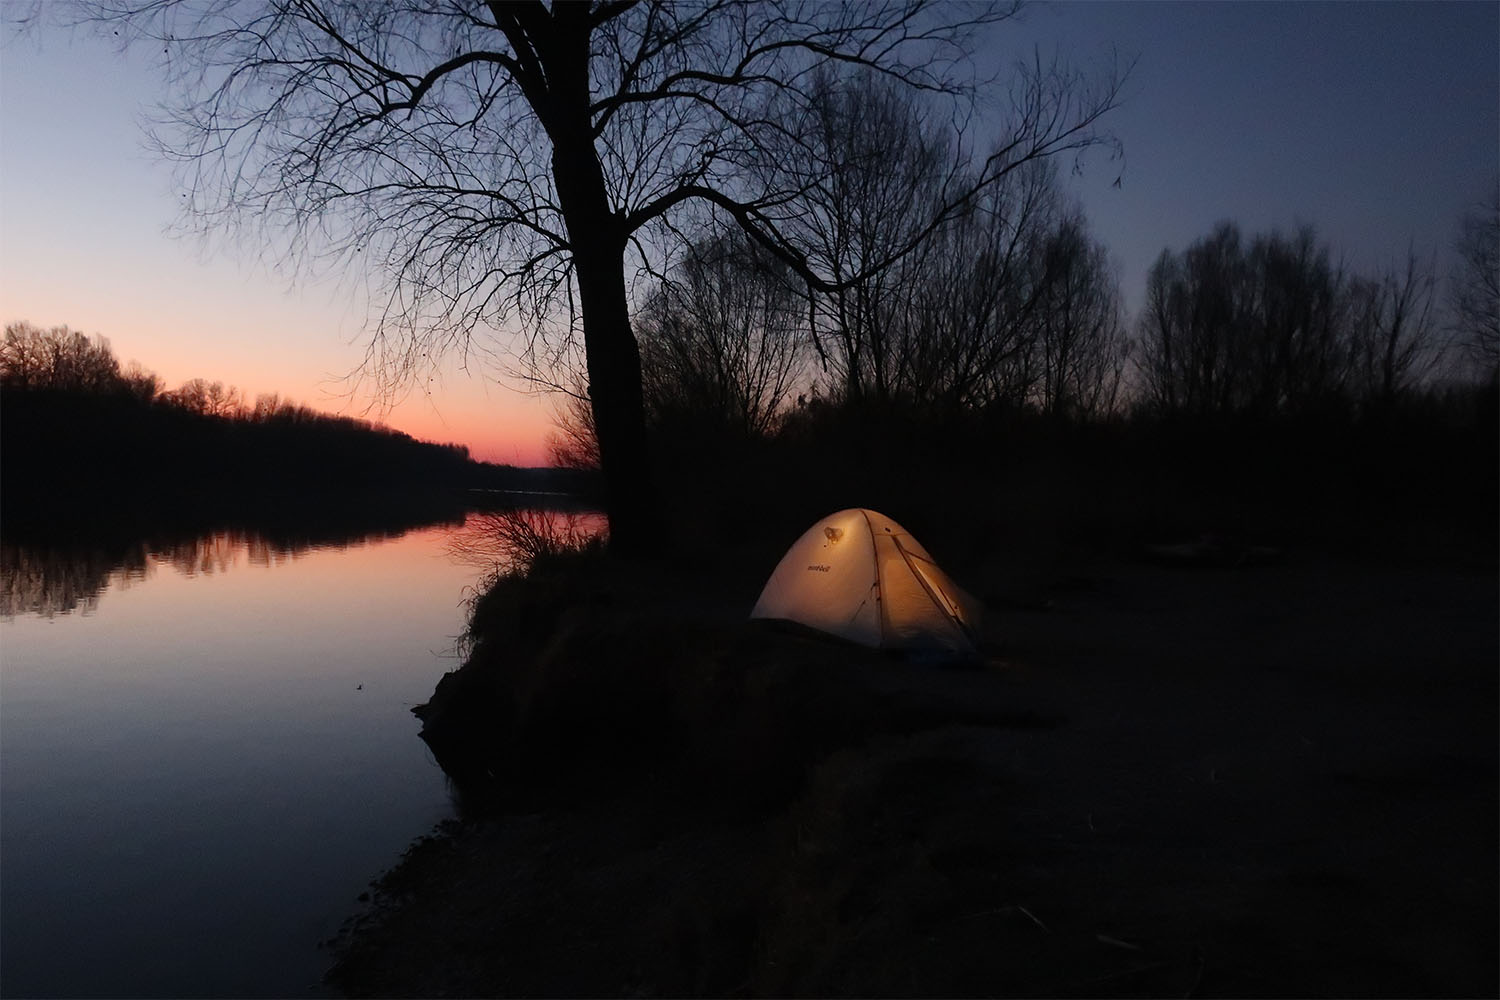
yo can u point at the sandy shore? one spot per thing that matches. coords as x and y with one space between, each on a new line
1170 781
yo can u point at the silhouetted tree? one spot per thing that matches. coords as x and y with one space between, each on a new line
1278 328
1080 339
1395 332
572 444
932 272
59 359
208 398
722 339
1474 291
1297 331
496 159
142 385
969 335
1263 328
876 177
73 420
267 405
1195 324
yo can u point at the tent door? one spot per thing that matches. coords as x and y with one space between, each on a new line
936 591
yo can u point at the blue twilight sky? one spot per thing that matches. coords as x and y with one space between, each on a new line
1379 123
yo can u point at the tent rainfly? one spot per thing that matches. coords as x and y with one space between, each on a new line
861 576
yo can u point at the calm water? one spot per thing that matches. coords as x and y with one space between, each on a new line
207 751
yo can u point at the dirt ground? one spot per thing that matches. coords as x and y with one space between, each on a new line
1170 781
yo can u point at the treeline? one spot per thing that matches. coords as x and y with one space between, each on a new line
1273 325
1008 302
1014 308
72 418
1265 390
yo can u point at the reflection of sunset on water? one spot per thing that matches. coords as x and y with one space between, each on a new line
234 708
47 580
504 541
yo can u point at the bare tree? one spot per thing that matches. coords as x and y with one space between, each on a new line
961 335
875 176
928 251
512 541
1195 325
1295 353
722 339
572 444
1395 338
145 386
211 399
1271 327
61 359
1080 338
977 328
494 160
1474 289
267 406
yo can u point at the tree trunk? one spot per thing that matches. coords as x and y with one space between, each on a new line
598 240
614 364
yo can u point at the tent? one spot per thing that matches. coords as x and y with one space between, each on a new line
861 576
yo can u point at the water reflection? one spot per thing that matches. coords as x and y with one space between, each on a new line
199 776
502 540
62 564
48 573
49 581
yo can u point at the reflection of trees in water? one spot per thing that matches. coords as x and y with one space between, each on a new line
50 577
221 551
504 540
206 556
51 581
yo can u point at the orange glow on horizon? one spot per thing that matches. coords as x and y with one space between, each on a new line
500 440
495 422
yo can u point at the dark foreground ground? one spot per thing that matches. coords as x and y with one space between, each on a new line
1170 781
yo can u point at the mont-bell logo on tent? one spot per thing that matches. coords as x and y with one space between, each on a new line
817 569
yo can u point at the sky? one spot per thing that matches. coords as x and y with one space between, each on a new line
1378 123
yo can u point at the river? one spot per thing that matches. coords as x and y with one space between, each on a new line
207 751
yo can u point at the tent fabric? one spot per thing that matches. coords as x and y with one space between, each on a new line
859 575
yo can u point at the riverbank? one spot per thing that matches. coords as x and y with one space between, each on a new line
1170 780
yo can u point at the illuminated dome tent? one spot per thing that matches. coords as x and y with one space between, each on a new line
861 576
